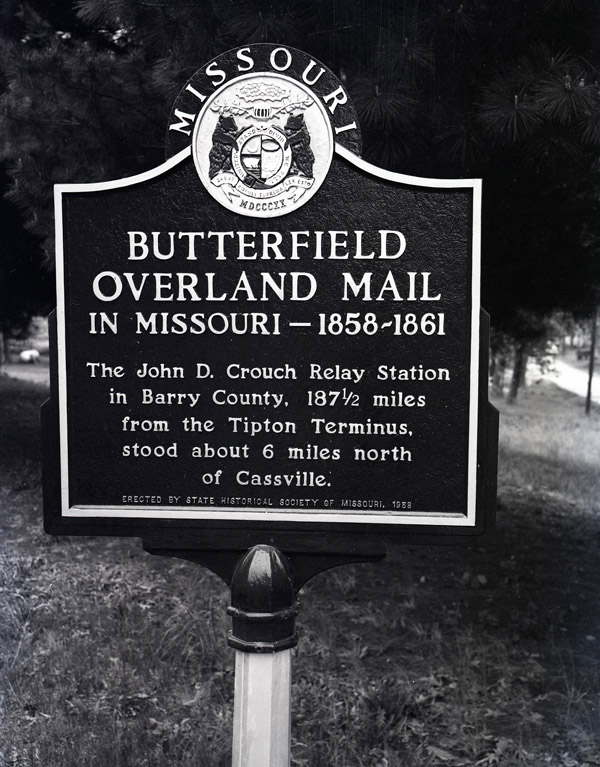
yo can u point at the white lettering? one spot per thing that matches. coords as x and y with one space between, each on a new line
338 96
384 234
117 286
137 240
185 125
307 70
241 54
218 73
288 59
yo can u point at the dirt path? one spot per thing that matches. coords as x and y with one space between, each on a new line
572 376
37 374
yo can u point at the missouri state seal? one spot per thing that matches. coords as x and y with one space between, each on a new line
263 144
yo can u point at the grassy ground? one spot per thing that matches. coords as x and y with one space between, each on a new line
438 656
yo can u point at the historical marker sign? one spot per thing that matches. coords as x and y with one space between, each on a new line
267 331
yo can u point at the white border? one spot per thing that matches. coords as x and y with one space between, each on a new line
226 513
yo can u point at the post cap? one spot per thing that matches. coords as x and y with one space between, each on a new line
263 602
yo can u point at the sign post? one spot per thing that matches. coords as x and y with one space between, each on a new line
269 357
263 609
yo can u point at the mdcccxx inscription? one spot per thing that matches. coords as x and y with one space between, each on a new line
268 331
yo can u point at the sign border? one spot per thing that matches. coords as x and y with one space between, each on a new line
457 521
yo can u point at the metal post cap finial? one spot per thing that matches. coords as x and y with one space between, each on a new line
263 602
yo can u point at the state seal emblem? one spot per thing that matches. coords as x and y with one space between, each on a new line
262 145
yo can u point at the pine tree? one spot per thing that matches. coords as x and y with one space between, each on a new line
25 286
508 91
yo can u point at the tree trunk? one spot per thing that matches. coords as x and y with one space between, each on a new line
4 356
518 376
6 348
497 374
588 399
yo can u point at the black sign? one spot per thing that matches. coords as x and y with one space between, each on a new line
267 331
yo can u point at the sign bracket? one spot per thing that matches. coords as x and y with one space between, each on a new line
222 556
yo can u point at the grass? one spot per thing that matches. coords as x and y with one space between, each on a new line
437 656
549 444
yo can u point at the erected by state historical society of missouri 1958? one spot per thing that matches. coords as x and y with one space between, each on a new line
267 332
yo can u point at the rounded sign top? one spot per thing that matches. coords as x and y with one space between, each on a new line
262 121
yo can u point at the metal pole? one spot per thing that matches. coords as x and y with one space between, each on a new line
264 609
588 399
262 709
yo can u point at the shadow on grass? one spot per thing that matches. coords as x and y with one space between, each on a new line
573 480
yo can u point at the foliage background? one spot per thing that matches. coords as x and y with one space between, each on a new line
506 91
